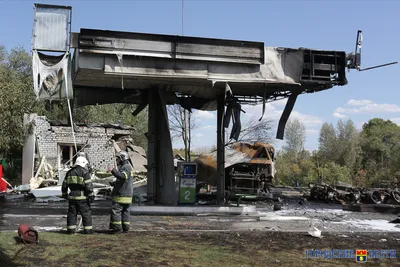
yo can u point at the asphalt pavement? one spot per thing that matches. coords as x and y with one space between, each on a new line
293 217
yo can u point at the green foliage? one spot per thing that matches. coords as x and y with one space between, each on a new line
369 158
289 170
17 98
295 137
380 143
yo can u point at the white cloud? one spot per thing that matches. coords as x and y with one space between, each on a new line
256 110
396 120
371 108
353 102
339 116
203 114
306 119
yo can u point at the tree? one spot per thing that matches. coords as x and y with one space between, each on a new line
295 137
289 171
340 147
380 144
328 143
348 146
177 127
253 131
17 97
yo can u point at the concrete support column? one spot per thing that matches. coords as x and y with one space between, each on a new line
221 147
161 186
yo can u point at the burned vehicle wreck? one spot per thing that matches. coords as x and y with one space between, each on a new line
249 169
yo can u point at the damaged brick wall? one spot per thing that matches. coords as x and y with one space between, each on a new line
100 152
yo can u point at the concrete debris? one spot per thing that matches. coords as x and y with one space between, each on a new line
382 240
313 231
345 236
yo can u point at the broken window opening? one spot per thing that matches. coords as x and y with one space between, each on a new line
67 154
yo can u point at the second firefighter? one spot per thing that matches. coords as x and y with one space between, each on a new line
122 194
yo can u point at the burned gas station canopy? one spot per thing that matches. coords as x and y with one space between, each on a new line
107 62
157 70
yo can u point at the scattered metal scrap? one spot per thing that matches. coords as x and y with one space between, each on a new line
352 195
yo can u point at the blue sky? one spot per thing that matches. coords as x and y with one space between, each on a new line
328 25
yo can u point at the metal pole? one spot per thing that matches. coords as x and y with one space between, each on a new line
189 135
185 116
185 138
221 148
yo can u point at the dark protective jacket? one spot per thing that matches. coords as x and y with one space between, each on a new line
123 189
78 181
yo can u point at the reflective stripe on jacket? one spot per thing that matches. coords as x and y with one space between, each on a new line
123 189
79 183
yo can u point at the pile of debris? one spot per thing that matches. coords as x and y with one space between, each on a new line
46 182
346 194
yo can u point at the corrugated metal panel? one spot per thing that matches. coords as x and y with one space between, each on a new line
172 47
51 28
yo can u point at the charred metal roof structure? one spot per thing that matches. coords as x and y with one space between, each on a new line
156 70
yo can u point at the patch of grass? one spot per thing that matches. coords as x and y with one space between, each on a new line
166 249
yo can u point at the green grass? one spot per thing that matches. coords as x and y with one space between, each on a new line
158 249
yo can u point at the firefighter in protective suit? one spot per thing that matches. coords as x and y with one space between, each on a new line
81 195
122 194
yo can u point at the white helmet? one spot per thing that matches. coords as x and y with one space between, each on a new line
81 161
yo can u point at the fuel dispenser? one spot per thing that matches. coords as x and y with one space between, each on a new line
187 174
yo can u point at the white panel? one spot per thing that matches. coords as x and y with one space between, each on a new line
51 28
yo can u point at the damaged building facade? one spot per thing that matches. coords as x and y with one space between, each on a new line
55 142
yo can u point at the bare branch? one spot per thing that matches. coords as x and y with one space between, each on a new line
254 131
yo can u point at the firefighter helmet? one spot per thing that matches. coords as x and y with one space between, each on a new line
81 161
123 155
